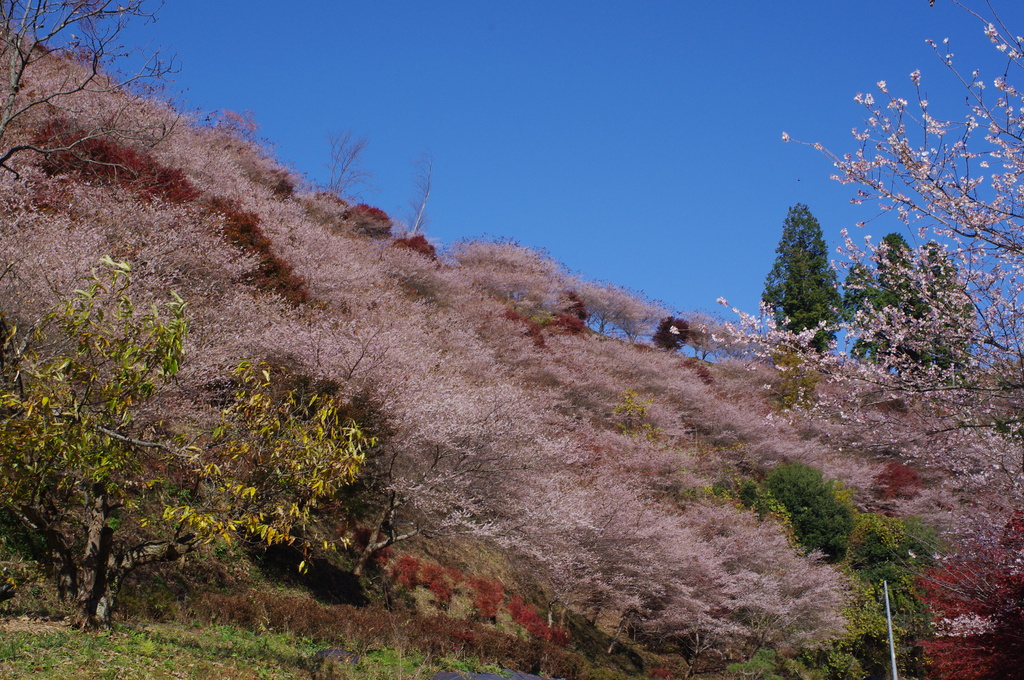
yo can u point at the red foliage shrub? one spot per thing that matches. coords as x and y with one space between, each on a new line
272 274
275 275
527 617
241 228
441 582
370 212
280 183
406 571
571 325
488 597
383 556
702 371
671 334
417 243
101 160
977 596
370 221
571 304
442 592
533 329
661 673
559 637
454 575
361 537
430 571
896 480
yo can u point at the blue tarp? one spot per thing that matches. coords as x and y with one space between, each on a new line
337 655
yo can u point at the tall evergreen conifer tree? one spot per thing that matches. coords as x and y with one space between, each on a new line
801 287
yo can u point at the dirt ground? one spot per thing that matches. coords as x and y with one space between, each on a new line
27 624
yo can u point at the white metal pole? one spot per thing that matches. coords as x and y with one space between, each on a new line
888 619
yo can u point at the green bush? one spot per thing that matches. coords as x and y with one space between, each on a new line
761 666
821 520
890 549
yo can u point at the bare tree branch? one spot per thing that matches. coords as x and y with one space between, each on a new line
36 35
348 178
424 175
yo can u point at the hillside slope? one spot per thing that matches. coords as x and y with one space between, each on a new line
601 476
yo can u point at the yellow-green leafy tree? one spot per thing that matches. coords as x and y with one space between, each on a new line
86 466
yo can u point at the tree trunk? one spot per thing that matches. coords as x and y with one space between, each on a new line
96 605
618 632
93 605
92 585
697 649
372 544
93 612
386 518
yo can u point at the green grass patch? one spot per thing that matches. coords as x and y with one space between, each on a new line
175 652
160 652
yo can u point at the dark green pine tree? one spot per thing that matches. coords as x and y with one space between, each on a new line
801 288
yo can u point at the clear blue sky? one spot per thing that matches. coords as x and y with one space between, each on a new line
637 141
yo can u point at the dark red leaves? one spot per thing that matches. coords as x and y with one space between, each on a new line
101 160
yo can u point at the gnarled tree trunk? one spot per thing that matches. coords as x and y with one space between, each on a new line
95 604
92 582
